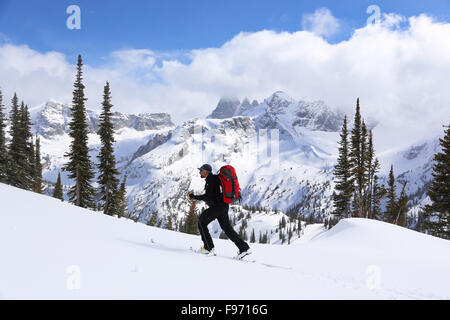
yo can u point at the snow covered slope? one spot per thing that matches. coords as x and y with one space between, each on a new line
53 250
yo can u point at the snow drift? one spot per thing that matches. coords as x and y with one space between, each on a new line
53 250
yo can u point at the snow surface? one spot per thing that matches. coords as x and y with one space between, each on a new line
53 250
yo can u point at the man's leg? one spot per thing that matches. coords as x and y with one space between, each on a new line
203 220
224 222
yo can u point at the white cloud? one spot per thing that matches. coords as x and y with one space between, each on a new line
393 20
34 76
322 23
400 75
134 58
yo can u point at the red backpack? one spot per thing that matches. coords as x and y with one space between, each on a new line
230 184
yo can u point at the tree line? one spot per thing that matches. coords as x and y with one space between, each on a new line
359 193
20 159
20 162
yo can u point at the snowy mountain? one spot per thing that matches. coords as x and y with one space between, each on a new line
279 107
284 151
414 166
52 119
54 250
226 108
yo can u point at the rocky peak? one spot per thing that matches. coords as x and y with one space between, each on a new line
53 118
317 116
226 108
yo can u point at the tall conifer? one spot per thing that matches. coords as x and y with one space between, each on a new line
391 207
378 193
402 208
107 179
79 165
437 213
3 150
20 148
38 167
342 172
27 163
58 191
14 143
357 161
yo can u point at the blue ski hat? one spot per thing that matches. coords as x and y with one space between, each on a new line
206 167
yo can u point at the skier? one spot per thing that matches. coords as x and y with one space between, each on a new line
217 209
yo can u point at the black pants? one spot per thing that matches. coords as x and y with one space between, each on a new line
221 214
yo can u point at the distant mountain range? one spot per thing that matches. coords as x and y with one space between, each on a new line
284 151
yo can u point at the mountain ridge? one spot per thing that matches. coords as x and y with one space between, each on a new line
284 151
52 118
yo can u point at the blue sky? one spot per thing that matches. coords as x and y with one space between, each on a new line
177 26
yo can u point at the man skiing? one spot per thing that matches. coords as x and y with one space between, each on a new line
217 209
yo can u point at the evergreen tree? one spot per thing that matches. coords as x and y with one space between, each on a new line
371 168
391 207
153 218
27 145
265 238
121 198
191 224
169 225
252 236
31 166
356 160
108 173
38 167
402 207
437 213
3 150
344 186
15 151
58 191
21 148
378 194
364 151
79 165
357 189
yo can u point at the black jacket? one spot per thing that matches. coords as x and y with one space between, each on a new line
213 195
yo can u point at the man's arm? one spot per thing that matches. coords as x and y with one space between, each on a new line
209 192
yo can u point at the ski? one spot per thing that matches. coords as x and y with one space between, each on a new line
269 265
